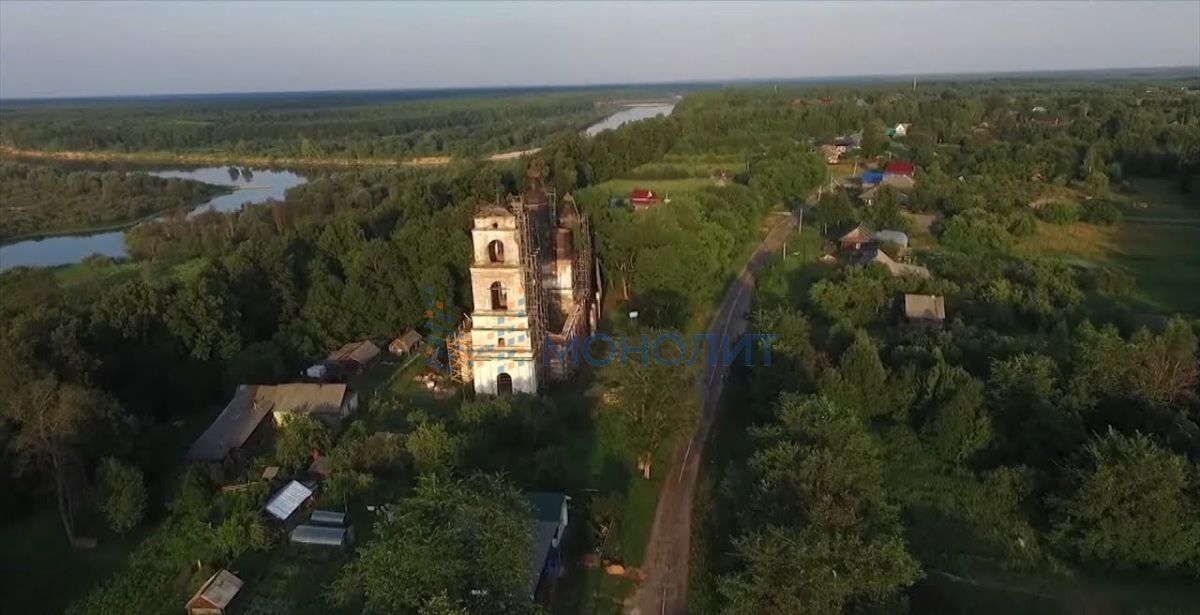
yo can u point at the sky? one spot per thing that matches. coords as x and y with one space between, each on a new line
52 49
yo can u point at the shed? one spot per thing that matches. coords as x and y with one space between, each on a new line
405 344
929 308
357 355
322 536
328 517
214 596
288 500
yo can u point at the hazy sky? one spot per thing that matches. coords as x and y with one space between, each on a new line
101 48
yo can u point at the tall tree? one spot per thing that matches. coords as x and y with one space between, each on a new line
53 421
652 399
460 543
1132 504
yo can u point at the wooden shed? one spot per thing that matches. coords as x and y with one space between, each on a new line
214 597
405 344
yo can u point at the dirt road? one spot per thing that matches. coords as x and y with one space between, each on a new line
664 590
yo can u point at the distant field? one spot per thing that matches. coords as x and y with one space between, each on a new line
1159 245
701 166
663 187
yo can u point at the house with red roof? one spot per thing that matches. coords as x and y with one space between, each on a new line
643 198
899 167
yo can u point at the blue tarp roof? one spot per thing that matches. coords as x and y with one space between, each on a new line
872 177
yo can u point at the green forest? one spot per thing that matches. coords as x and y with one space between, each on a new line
998 461
39 199
308 128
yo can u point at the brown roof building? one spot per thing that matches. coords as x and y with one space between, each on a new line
355 355
924 308
214 596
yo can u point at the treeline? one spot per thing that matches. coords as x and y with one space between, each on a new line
885 465
48 199
1017 438
457 126
1002 131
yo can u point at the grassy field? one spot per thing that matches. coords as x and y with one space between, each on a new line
663 187
1159 245
701 166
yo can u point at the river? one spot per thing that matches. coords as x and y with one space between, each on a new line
631 113
256 187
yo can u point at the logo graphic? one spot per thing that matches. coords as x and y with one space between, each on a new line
500 347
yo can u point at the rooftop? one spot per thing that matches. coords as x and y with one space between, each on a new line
925 307
302 397
286 501
359 352
231 428
218 591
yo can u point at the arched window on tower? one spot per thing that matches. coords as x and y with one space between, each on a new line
496 251
499 297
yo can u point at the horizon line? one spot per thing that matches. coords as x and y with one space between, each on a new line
606 85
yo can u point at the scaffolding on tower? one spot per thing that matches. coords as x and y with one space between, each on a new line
530 258
458 353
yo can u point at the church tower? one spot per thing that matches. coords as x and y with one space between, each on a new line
503 348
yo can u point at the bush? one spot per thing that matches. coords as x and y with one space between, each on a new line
1102 212
1059 213
297 438
1021 224
122 494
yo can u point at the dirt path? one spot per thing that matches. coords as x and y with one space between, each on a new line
664 590
264 161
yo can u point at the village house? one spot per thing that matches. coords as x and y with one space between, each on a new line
856 239
924 308
870 195
215 596
876 256
643 198
899 130
899 168
242 423
872 178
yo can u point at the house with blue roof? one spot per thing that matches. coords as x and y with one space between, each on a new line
872 178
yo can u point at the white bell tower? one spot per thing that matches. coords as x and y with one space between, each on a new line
503 357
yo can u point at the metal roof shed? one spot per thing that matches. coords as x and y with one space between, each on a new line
321 536
288 500
328 517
